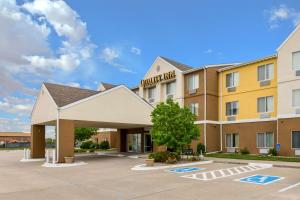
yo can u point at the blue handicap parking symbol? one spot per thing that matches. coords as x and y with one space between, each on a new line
185 169
261 179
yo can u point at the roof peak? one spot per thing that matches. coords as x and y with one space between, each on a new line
178 65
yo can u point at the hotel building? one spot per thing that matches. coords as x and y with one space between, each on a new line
253 105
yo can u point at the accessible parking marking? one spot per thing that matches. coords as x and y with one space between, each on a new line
185 169
222 173
260 179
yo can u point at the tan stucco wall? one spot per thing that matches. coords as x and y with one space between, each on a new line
45 109
287 81
160 95
119 105
66 140
37 141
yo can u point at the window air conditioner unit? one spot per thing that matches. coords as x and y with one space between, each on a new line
193 91
231 118
265 83
231 89
297 73
297 110
263 151
230 150
170 96
297 152
264 116
151 100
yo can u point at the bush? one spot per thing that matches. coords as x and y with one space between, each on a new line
87 145
104 145
244 151
194 158
159 156
200 148
79 150
173 156
273 152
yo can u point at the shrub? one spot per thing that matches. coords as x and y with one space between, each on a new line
79 150
104 145
244 151
273 152
159 156
200 148
87 144
194 158
173 156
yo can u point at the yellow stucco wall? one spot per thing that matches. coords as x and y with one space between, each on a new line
248 90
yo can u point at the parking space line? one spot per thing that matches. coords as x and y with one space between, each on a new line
221 173
289 187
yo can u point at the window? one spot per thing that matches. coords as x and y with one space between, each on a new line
151 94
265 72
265 140
296 139
193 82
232 140
231 108
170 88
296 98
194 108
265 104
296 60
232 79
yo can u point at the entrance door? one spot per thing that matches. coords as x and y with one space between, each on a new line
134 142
148 143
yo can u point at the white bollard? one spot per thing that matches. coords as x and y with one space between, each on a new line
25 154
28 154
47 156
53 157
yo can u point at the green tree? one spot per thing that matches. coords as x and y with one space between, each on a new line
173 126
82 134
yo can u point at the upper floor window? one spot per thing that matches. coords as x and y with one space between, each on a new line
265 72
151 94
265 104
232 108
296 60
232 79
296 98
193 82
194 108
170 88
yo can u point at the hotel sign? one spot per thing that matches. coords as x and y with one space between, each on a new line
156 79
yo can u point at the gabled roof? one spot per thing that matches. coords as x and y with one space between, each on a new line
64 95
291 34
217 66
178 65
108 86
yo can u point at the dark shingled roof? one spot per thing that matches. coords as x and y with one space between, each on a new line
108 86
178 65
64 95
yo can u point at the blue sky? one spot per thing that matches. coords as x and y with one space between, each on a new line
82 43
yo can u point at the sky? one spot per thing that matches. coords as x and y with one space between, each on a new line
83 43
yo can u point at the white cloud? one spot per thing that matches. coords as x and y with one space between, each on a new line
136 50
73 84
209 51
282 13
19 106
13 125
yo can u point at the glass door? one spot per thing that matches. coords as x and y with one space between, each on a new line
134 143
148 143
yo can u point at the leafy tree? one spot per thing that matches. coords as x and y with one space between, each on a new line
82 134
173 126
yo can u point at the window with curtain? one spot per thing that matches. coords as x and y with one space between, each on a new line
193 82
194 108
232 108
265 140
265 104
296 98
296 139
265 72
171 88
232 140
232 79
296 60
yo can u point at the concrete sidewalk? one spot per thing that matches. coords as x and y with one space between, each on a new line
240 161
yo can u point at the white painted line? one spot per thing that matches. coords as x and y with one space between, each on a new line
289 187
59 165
33 160
222 172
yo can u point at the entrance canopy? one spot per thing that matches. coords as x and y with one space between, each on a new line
117 107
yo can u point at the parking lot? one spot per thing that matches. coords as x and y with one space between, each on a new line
112 178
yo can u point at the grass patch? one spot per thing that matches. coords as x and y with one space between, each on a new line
253 157
11 149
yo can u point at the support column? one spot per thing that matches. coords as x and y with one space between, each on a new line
37 141
65 142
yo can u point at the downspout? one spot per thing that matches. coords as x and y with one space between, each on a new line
205 100
57 135
221 112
